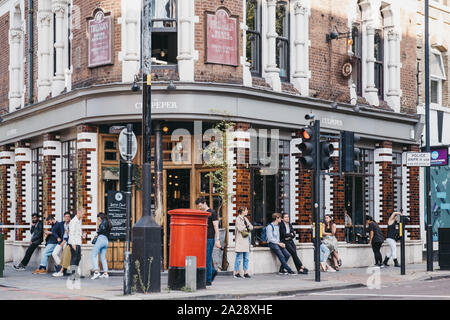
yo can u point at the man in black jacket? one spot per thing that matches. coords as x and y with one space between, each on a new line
287 234
53 237
37 230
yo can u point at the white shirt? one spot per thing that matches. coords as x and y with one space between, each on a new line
75 231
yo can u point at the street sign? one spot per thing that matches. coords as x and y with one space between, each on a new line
418 159
123 145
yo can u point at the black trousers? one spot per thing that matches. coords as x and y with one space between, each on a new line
376 246
29 253
76 255
290 247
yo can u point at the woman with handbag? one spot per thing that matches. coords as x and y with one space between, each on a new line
242 236
100 243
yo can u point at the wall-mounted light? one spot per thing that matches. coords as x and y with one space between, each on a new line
335 35
171 86
165 129
135 87
334 105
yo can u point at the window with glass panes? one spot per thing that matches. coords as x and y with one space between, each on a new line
69 181
164 33
253 33
282 47
378 47
37 180
357 54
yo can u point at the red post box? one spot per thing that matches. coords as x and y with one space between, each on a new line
188 232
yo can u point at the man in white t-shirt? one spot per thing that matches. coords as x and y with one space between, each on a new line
75 238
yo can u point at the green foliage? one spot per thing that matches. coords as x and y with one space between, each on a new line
137 278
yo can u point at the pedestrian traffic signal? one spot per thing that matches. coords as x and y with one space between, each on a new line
326 150
349 154
308 148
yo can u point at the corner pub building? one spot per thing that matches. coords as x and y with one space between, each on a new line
65 92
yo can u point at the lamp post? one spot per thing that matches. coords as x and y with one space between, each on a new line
429 230
146 232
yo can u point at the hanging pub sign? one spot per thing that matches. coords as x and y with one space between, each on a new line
221 38
100 39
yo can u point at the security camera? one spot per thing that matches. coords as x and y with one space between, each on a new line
309 116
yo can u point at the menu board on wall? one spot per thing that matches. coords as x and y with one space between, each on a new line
100 35
221 38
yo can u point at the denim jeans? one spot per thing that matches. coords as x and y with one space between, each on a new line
237 262
47 253
324 253
100 247
282 254
209 266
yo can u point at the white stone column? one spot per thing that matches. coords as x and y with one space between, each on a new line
15 93
301 44
131 45
370 91
59 8
45 40
393 67
272 73
186 40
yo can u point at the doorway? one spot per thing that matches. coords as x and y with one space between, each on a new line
355 204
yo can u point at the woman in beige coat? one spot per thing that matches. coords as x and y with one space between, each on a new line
242 232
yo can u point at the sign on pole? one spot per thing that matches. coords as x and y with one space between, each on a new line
418 159
123 145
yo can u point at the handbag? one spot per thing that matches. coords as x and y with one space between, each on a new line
244 234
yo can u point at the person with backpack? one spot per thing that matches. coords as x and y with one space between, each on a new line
276 246
101 245
391 239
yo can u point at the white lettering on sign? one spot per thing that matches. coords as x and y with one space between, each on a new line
333 122
418 159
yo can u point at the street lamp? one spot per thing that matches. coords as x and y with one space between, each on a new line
146 232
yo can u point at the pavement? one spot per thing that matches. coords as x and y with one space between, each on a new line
23 285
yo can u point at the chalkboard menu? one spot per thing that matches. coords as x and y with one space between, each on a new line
117 212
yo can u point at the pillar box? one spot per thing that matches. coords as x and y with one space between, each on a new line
188 232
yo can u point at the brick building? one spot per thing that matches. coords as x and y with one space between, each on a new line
258 64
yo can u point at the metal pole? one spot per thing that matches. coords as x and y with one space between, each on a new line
402 245
316 200
427 134
127 261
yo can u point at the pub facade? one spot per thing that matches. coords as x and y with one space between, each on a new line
254 67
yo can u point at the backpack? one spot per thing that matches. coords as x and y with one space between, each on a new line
264 233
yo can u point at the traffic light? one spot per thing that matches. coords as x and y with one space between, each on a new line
308 148
349 154
326 150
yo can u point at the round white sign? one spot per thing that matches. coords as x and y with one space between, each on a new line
123 145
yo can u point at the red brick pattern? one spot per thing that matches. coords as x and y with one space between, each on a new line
5 194
20 195
4 64
49 176
414 199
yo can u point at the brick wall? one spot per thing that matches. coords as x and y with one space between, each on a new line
7 208
23 184
4 64
215 72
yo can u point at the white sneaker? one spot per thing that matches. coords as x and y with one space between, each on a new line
95 276
104 275
57 274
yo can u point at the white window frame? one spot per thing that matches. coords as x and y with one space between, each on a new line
437 78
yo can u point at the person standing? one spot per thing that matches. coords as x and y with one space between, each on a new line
212 238
391 239
324 254
101 245
57 252
375 240
75 238
52 238
242 248
37 232
287 234
276 246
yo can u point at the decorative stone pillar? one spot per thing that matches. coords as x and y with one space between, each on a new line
87 177
301 48
393 91
186 40
383 182
131 41
16 68
51 177
24 190
45 42
59 9
272 73
239 187
7 192
411 197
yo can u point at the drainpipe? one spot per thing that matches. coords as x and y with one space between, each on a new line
30 52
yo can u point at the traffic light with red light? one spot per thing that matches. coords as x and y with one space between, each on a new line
308 148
